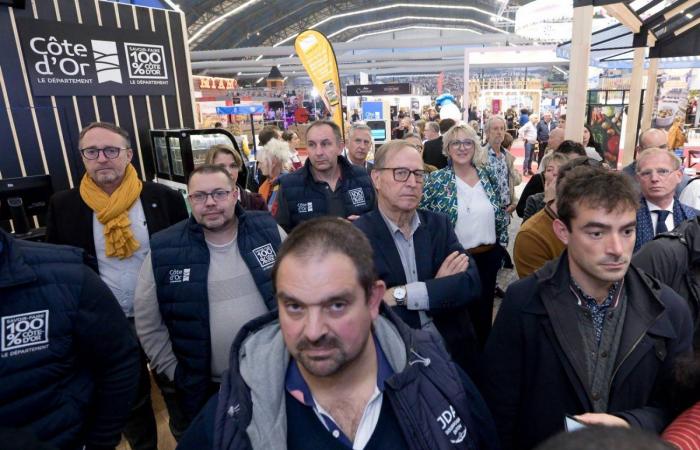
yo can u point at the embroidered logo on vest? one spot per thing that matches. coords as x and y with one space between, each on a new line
452 425
179 275
305 207
265 255
25 333
357 197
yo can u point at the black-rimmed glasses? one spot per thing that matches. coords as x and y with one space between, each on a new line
201 197
94 153
401 174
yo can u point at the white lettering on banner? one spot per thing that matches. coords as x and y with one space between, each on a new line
61 57
452 425
265 255
28 331
146 61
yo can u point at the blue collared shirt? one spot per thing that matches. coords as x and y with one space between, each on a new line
297 387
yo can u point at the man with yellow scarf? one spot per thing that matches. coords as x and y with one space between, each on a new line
112 215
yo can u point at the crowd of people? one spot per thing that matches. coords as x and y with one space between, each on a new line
347 301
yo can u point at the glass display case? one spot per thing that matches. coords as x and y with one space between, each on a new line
178 151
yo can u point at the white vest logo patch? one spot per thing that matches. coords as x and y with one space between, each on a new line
452 425
357 197
24 333
179 275
265 255
305 207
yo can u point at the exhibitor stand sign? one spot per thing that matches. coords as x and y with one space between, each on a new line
67 59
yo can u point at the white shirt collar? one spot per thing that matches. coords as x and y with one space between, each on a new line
653 207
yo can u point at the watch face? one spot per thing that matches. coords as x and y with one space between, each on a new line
400 293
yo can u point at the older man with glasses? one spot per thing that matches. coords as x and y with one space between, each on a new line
111 216
658 174
429 276
203 280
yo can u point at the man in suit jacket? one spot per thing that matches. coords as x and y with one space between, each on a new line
112 216
417 254
432 150
658 174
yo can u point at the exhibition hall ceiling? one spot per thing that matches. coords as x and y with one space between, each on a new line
222 24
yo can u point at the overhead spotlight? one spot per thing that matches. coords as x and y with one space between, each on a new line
259 80
240 73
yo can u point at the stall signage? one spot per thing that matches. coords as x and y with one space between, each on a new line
222 84
67 59
379 89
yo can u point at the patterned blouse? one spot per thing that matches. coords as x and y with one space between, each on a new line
440 194
500 168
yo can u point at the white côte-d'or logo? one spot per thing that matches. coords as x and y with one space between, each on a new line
106 61
357 197
265 255
452 425
179 275
24 333
305 207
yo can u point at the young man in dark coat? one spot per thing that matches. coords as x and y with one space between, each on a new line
587 335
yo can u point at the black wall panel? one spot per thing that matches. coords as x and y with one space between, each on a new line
40 134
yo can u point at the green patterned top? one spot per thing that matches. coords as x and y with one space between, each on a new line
440 194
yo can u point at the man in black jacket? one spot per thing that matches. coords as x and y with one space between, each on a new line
112 205
586 335
69 362
327 184
432 150
335 369
674 259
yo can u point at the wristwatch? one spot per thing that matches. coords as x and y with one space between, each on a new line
400 295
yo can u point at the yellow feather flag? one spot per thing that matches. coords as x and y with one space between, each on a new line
316 54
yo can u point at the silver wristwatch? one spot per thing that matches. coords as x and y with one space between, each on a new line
400 295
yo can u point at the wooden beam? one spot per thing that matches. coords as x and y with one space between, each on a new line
633 107
682 7
625 16
650 93
687 27
578 71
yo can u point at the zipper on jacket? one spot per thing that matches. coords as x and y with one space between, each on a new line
622 361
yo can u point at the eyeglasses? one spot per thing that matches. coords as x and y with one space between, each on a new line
401 174
464 144
94 153
199 198
418 147
662 173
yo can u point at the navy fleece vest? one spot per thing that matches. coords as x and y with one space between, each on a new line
306 198
44 387
180 259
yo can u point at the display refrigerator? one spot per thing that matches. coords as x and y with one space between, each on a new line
177 152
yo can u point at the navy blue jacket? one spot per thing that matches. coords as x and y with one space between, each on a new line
69 363
433 400
534 363
433 241
180 259
302 198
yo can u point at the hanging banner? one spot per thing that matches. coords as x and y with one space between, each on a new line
671 96
67 59
317 56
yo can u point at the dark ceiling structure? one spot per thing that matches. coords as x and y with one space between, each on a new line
224 24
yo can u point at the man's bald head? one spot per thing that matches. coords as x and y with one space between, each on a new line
556 137
653 137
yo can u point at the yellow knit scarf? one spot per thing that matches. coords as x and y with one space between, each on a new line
113 212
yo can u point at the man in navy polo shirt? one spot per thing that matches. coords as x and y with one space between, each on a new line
334 369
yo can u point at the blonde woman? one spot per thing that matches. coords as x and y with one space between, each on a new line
274 161
468 192
228 158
